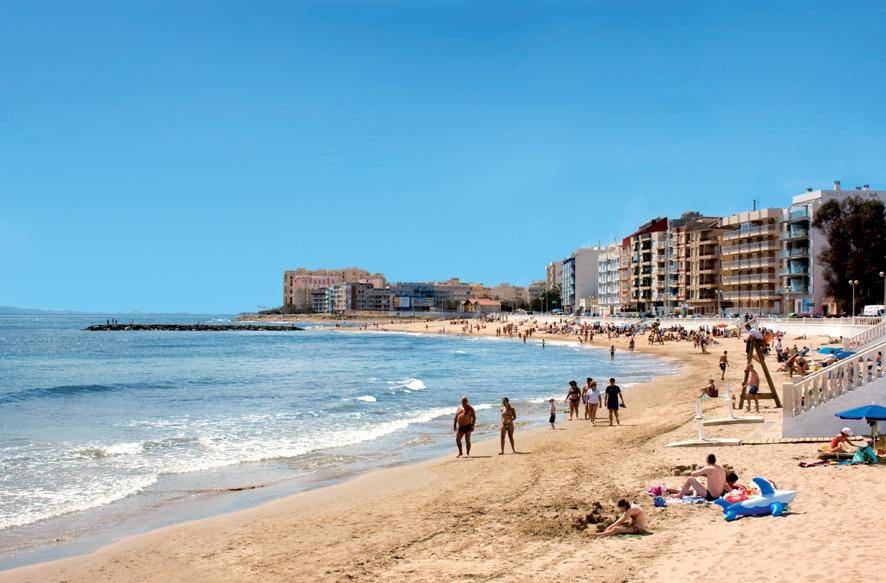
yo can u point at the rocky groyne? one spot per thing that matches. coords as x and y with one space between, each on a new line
132 327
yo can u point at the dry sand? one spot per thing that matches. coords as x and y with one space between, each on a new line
522 517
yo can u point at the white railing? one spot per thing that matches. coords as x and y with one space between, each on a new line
830 382
864 337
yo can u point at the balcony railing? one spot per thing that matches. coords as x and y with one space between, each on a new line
793 271
752 232
749 279
795 252
791 234
751 247
750 263
750 294
799 215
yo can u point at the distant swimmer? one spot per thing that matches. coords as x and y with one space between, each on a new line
612 352
463 425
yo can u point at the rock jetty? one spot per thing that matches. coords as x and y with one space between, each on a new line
192 327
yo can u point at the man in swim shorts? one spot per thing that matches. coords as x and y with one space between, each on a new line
753 386
613 397
724 362
714 475
463 425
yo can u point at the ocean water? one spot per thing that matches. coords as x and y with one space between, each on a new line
98 427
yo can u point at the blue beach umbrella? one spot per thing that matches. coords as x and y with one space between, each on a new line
870 413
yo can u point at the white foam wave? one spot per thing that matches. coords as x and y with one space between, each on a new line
411 384
366 399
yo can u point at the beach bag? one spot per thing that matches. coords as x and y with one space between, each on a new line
864 455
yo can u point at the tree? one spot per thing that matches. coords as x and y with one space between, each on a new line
549 300
855 230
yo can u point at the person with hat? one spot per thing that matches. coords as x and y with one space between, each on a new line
841 441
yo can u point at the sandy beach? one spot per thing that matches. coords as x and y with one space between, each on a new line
523 517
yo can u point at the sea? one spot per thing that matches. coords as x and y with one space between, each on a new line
107 434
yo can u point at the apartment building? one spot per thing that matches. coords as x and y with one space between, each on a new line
801 274
578 287
608 284
693 276
751 243
649 283
553 274
298 283
347 297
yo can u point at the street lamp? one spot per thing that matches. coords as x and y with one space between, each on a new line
853 283
883 276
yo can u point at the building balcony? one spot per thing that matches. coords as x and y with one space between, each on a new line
749 279
794 252
760 247
760 231
793 234
793 272
798 215
753 294
750 263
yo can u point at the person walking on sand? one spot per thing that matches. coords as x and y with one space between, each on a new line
463 425
508 415
553 417
612 352
631 344
573 398
724 362
613 397
753 386
593 402
631 521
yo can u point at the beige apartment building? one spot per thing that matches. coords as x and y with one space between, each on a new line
751 243
299 283
695 263
648 279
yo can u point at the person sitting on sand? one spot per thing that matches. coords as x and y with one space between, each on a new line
631 521
508 415
709 391
463 425
714 475
842 441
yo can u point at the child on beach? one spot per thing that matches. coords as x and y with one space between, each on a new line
553 416
631 521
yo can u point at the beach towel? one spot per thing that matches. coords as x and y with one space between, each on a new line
864 455
813 463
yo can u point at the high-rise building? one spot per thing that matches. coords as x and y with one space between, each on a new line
578 287
694 264
608 284
751 243
553 274
801 274
649 281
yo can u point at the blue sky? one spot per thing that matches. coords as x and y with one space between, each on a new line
180 155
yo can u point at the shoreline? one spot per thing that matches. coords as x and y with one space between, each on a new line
486 510
164 514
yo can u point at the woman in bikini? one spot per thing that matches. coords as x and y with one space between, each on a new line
573 397
508 415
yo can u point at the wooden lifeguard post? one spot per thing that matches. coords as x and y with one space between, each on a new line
756 346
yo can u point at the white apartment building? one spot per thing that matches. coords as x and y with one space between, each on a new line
608 285
578 286
801 274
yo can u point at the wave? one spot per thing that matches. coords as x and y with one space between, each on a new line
410 384
366 399
74 390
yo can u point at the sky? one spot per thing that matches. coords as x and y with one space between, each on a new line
179 156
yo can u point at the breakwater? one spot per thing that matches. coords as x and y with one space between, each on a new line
132 327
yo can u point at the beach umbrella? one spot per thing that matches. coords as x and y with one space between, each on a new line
870 413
